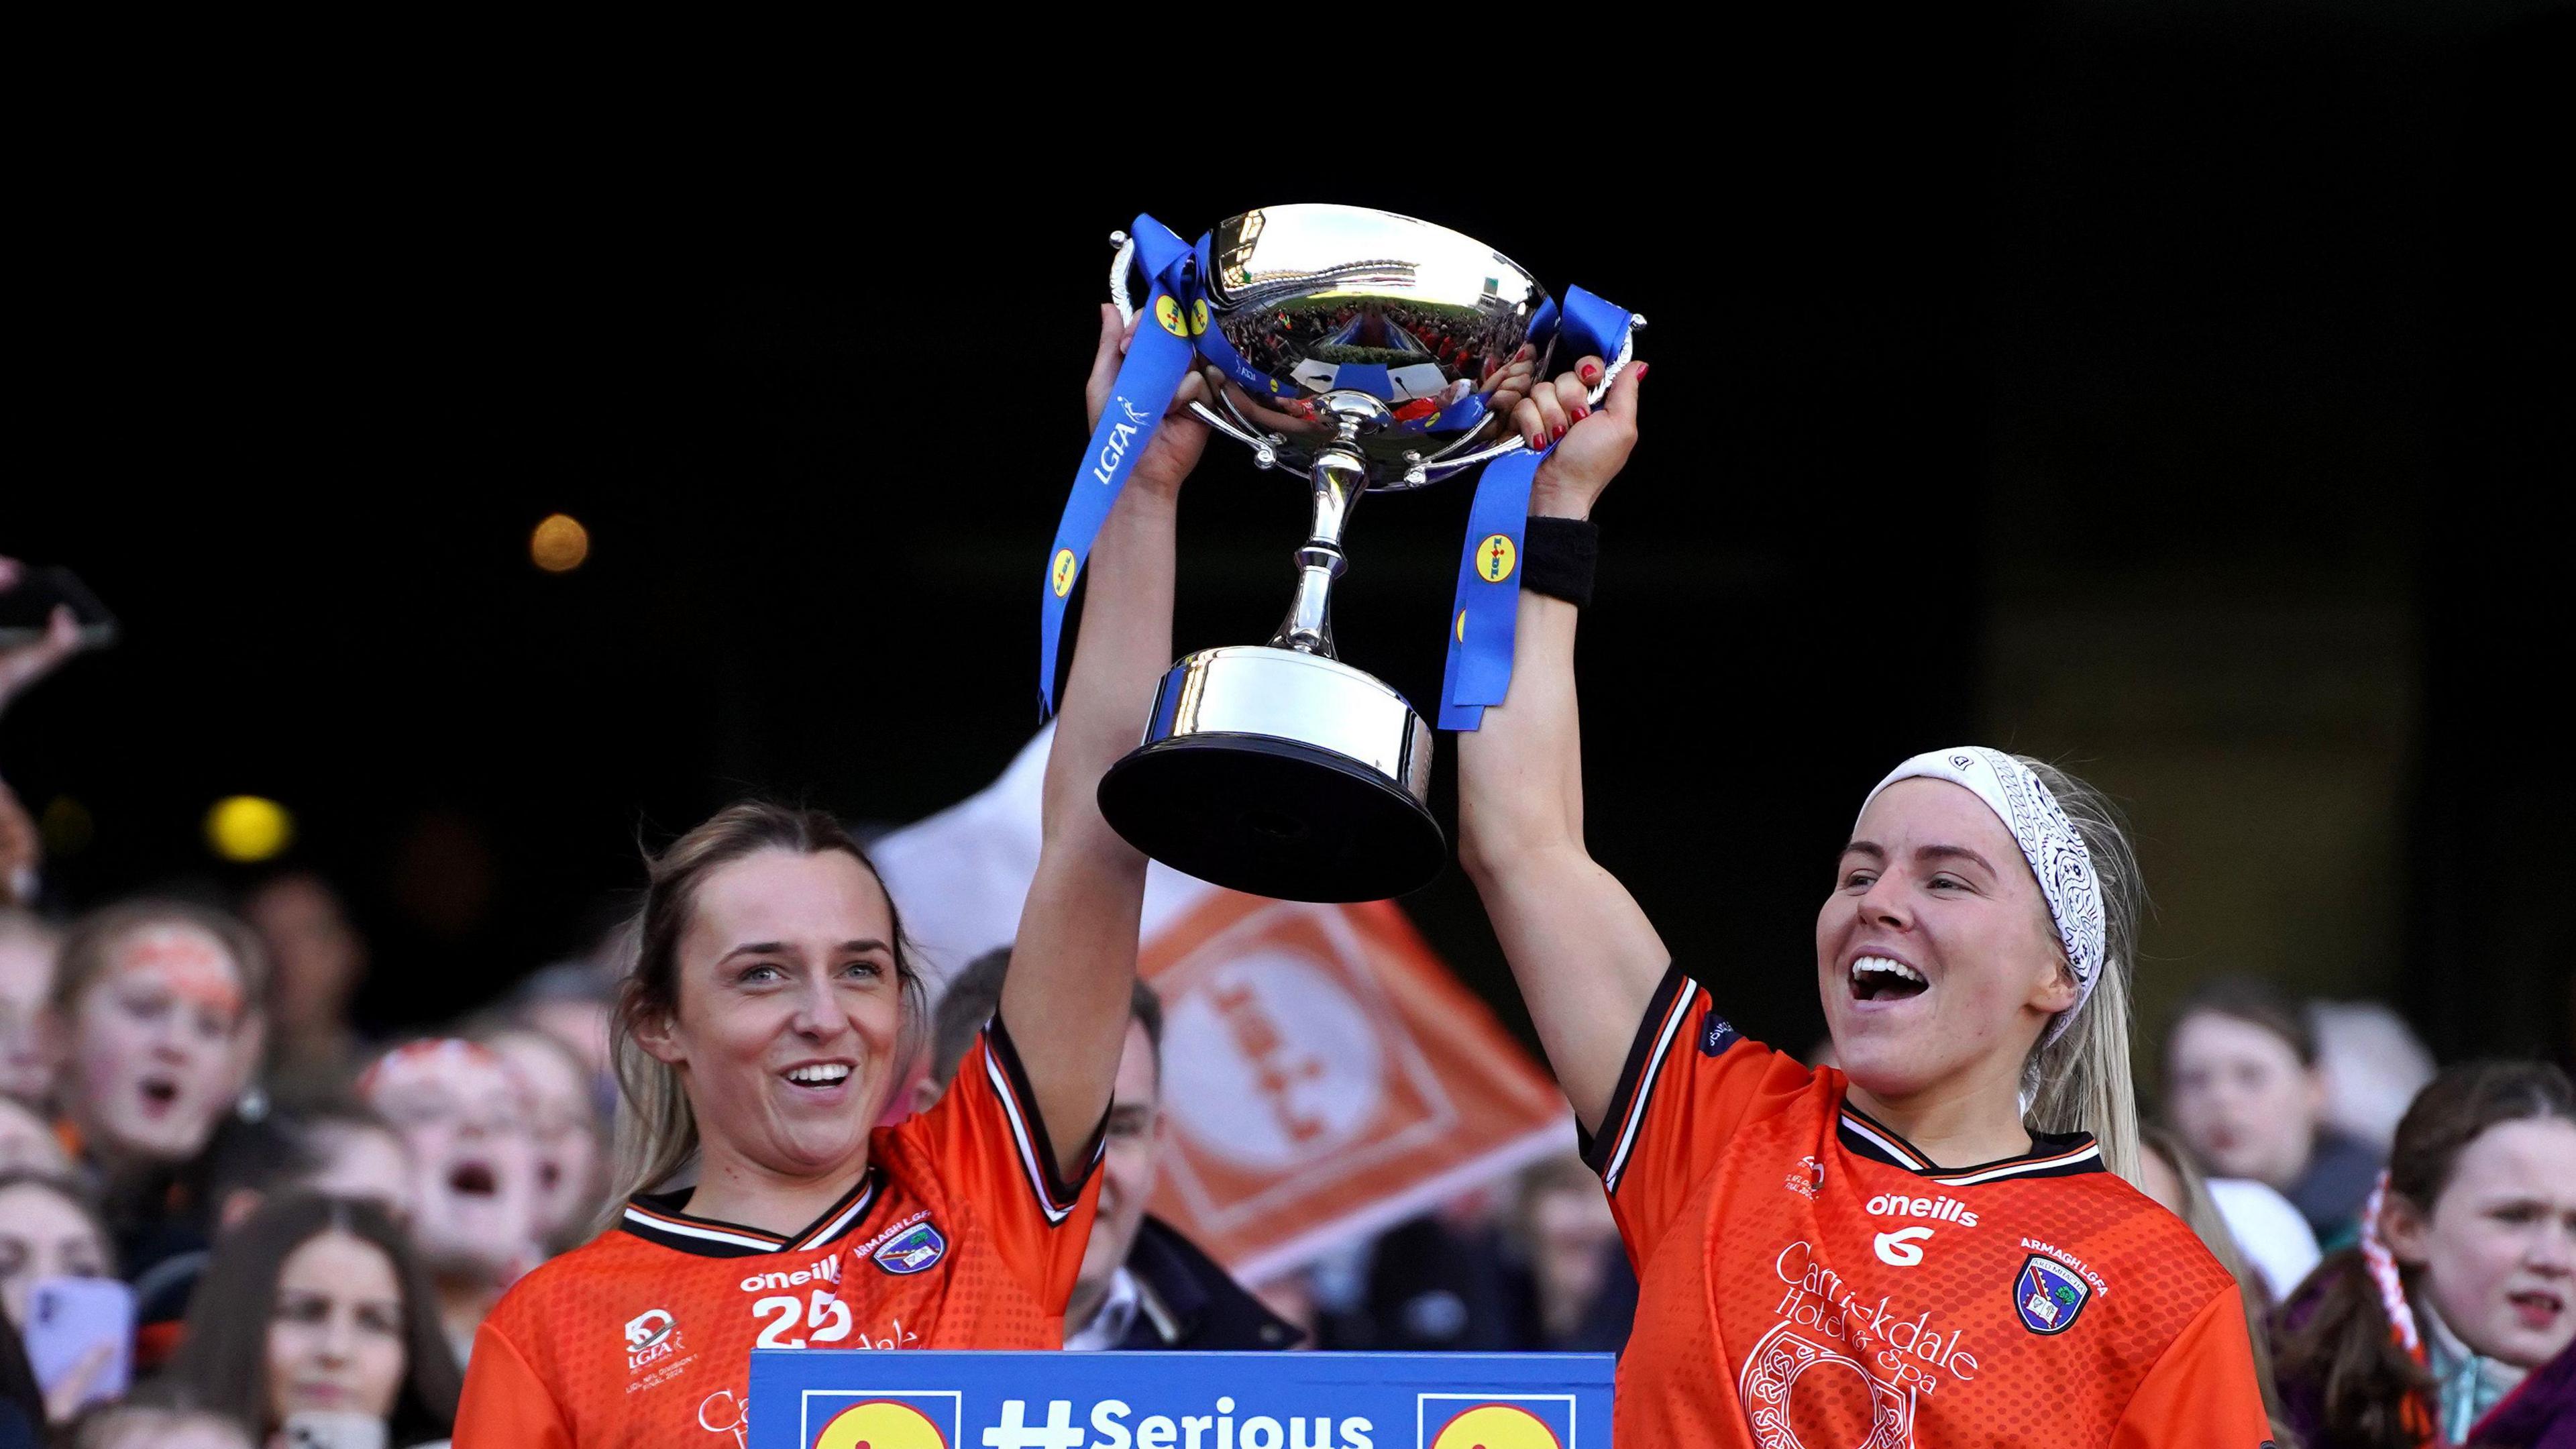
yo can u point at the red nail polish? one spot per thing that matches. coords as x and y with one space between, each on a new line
1581 412
1591 374
1558 435
1641 372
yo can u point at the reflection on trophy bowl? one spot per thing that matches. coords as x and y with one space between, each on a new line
1369 352
1312 308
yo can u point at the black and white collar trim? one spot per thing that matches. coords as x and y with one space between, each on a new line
2052 1154
656 1218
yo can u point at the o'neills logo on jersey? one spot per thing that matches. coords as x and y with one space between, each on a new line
822 1270
1943 1209
1910 1352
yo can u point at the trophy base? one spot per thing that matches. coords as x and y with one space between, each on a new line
1281 774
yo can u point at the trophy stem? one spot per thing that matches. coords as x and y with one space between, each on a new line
1339 476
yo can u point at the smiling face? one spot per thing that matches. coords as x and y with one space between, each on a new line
2498 1253
335 1341
2242 1099
1935 955
43 1235
789 1021
159 1044
463 1114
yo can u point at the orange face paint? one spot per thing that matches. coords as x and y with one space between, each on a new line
187 963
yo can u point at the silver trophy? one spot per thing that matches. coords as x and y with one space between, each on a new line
1371 353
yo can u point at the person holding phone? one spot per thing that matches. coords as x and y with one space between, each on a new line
316 1328
774 1011
51 1238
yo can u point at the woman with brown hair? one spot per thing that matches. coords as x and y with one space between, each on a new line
316 1312
2465 1277
770 1015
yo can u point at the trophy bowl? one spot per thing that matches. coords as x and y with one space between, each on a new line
1368 352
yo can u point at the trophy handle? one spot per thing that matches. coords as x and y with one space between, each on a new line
1118 266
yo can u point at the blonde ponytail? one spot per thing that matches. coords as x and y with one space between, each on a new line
2083 1081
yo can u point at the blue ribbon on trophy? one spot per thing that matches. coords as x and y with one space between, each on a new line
1485 611
1157 359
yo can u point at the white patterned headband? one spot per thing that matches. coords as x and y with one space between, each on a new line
2048 840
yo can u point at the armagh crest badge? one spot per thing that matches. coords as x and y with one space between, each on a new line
2048 1295
911 1251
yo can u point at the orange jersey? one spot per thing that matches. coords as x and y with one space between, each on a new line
1807 1278
959 1235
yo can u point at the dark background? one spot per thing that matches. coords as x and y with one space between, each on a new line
2004 371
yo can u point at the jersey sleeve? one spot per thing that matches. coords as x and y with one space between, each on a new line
1690 1081
505 1404
2202 1392
989 1146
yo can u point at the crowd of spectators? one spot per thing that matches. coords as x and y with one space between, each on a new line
228 1217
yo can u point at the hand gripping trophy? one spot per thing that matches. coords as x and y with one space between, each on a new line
1370 352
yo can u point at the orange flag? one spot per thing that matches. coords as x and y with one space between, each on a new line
1325 1076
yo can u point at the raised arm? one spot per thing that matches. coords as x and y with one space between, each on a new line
1585 956
1065 1000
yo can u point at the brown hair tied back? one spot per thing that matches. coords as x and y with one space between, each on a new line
2338 1350
657 1129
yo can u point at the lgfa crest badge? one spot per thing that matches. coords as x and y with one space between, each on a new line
911 1250
2048 1295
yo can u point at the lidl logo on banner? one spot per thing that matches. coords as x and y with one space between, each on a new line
1471 1421
808 1399
891 1420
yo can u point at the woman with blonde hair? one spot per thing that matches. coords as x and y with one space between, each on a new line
772 1011
1933 1242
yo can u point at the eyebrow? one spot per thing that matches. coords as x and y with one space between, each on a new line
1875 851
781 948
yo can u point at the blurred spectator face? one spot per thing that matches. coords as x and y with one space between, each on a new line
788 1027
44 1234
1127 1163
2498 1252
26 980
462 1113
335 1343
368 1163
2242 1099
318 954
157 1051
1976 932
27 1144
1570 1238
582 1026
564 1128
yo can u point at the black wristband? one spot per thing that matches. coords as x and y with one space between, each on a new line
1557 557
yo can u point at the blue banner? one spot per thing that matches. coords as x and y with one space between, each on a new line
833 1399
1484 613
1157 359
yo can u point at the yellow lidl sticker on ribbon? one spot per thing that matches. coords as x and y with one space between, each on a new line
1061 576
1494 559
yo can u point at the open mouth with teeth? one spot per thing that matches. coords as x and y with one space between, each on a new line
2538 1308
1883 978
819 1075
